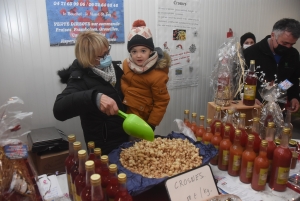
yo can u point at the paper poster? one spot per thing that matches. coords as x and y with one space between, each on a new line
178 26
67 18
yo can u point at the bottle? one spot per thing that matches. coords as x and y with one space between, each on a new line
208 134
270 131
255 132
215 140
96 189
248 157
250 86
269 116
74 169
91 147
80 178
97 160
200 130
241 126
193 125
287 123
113 185
104 172
229 122
260 170
186 118
217 118
281 163
86 191
224 149
69 162
122 194
235 155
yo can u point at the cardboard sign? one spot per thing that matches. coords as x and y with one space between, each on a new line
195 185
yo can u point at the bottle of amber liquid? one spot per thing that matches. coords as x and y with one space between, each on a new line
215 140
250 86
241 126
281 163
86 191
69 162
74 169
80 178
261 167
200 130
224 149
208 134
96 189
270 131
97 160
229 122
91 147
235 155
255 132
194 123
186 118
123 194
104 172
217 118
248 157
113 185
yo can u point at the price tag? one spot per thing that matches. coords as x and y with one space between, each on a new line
285 85
16 151
195 185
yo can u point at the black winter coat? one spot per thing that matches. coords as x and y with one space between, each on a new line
287 68
79 99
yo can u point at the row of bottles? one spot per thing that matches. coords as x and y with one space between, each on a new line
80 167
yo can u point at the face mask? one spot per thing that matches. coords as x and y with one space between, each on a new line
280 50
104 63
245 46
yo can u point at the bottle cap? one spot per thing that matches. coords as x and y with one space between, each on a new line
230 111
271 124
89 165
218 108
295 154
71 138
286 130
186 111
218 124
91 144
82 153
113 168
277 141
95 179
201 117
122 178
194 114
292 143
264 143
104 159
255 119
208 121
97 151
227 128
252 61
250 137
237 132
242 115
77 145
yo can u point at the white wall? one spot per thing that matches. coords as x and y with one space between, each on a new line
28 63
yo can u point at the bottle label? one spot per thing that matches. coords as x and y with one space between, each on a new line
283 174
78 198
236 162
249 92
249 169
199 139
69 183
74 191
225 157
263 173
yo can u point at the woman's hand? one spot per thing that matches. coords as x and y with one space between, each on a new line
108 105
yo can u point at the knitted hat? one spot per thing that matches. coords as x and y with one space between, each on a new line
246 36
140 35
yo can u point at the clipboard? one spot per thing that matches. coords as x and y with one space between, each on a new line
197 184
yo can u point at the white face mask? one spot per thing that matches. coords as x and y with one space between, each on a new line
245 46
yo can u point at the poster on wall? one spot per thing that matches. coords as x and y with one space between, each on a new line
67 18
178 27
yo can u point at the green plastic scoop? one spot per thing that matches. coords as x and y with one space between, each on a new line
135 126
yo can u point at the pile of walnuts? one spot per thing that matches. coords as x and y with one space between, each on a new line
163 157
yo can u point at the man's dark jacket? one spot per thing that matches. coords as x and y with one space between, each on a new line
79 99
287 68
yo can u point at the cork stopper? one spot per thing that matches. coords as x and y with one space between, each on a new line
77 145
104 159
201 117
71 138
242 115
122 178
113 168
89 165
97 151
237 132
194 114
252 62
91 145
82 153
95 179
227 128
250 137
186 111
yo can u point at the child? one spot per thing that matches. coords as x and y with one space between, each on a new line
144 83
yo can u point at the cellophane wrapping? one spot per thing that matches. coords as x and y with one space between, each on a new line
17 173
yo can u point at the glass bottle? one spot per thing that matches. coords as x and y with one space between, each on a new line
215 140
229 122
217 118
80 178
104 172
260 169
86 191
208 134
269 116
91 147
241 126
200 130
250 86
122 194
224 149
69 162
96 189
255 132
287 122
97 160
194 123
281 163
186 118
270 131
248 157
113 184
74 169
235 155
